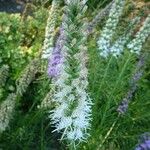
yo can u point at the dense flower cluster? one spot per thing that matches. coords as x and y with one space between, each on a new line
73 105
6 111
99 17
3 74
109 29
27 76
144 143
118 46
136 44
51 26
133 86
46 102
56 59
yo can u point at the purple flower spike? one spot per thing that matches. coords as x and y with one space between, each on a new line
53 72
123 106
144 142
143 146
148 143
56 60
138 148
54 65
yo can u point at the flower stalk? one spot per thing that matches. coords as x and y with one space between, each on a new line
133 86
109 29
136 44
6 111
73 104
4 70
50 28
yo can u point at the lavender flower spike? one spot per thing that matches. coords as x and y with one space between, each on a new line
144 142
56 60
133 86
97 19
123 106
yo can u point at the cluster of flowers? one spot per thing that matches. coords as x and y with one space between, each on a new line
105 44
144 142
133 86
104 41
6 111
8 105
99 17
51 26
3 74
56 59
118 46
73 104
27 76
136 44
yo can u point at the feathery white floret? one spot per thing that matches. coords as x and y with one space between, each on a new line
73 104
50 28
109 29
136 44
74 121
118 46
6 111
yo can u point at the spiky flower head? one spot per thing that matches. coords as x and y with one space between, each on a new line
6 111
4 70
27 76
50 28
119 45
136 44
56 59
73 104
144 142
122 108
109 29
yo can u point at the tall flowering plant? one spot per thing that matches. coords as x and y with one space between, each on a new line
119 45
109 29
4 71
133 86
73 104
6 111
136 44
49 32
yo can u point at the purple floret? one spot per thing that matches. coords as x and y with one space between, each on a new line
123 106
56 60
144 142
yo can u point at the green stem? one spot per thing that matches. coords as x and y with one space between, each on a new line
42 136
105 75
108 133
122 72
116 84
